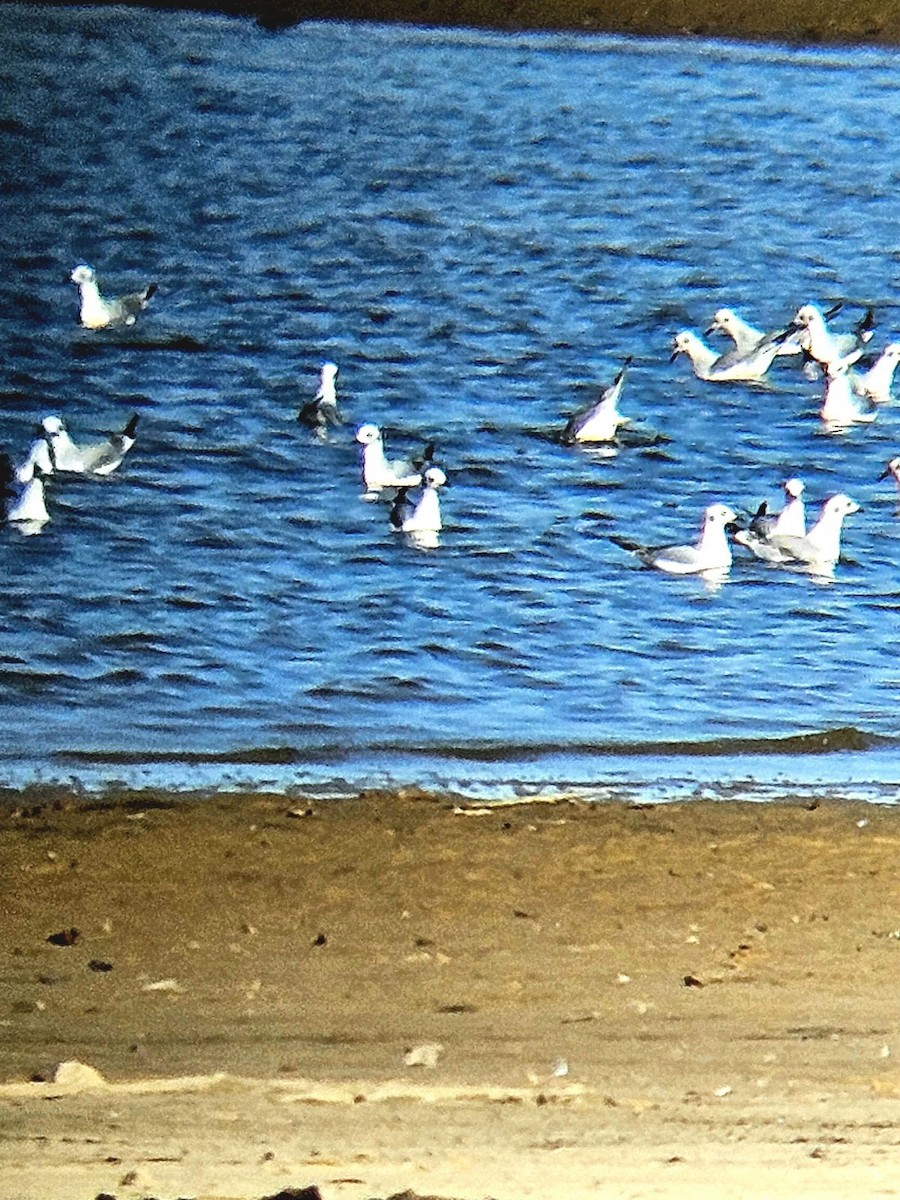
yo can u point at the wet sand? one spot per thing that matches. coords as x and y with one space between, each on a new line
554 1000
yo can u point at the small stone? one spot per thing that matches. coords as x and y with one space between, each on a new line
65 937
77 1075
424 1055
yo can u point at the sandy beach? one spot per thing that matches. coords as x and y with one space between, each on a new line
398 993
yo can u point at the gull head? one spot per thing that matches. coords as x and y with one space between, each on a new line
841 505
794 488
719 514
807 315
83 274
724 319
434 477
52 425
683 343
367 434
329 370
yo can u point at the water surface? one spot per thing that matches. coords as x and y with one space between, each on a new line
478 229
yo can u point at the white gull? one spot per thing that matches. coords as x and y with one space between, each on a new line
789 522
821 547
322 410
424 514
875 383
747 338
100 312
599 421
732 366
827 348
54 450
379 471
711 551
841 407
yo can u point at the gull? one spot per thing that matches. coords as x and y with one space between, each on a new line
599 422
747 338
711 552
53 450
840 406
892 469
821 547
379 472
423 516
322 410
25 502
727 367
101 312
790 522
829 349
875 384
792 518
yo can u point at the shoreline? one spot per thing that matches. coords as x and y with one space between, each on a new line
400 992
792 23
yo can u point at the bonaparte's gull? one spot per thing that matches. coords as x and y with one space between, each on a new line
790 522
322 410
711 552
53 450
26 504
747 338
101 312
727 367
423 515
792 518
599 422
892 469
875 384
827 348
379 471
821 547
841 407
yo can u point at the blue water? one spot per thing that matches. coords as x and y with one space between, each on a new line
478 229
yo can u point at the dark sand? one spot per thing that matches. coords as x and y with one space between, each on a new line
720 979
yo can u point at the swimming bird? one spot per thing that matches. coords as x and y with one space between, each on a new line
841 407
26 504
892 469
379 471
827 348
423 516
821 547
711 552
100 312
875 383
732 366
748 339
599 422
791 521
322 410
53 450
792 518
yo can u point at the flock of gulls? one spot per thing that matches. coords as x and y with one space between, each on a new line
53 451
853 390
